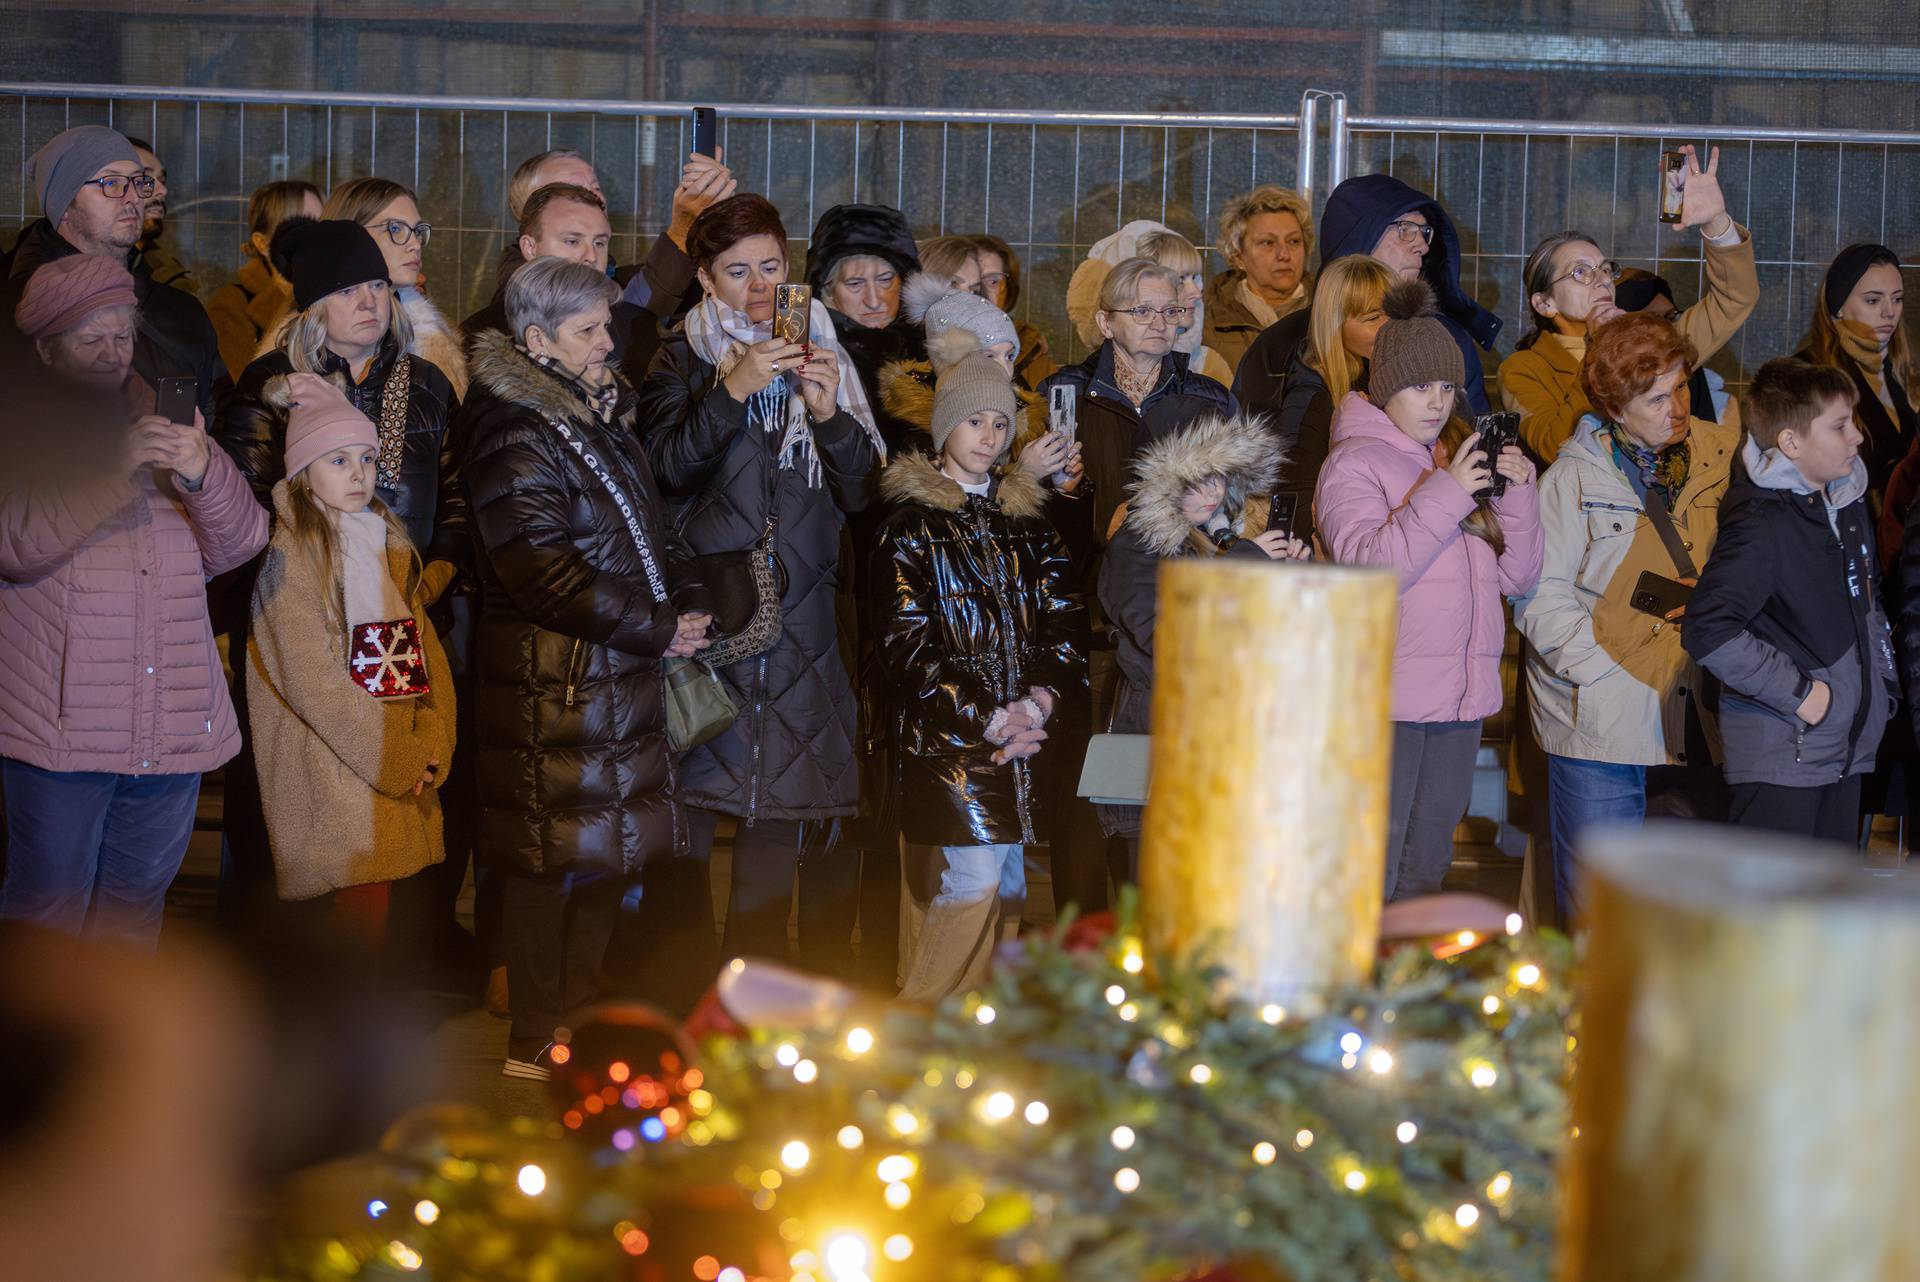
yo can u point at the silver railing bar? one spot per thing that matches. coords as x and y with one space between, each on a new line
1582 128
611 107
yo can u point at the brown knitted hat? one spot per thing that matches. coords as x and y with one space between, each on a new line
975 383
1414 346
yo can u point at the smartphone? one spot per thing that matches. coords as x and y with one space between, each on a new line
1497 431
1063 411
1673 184
1657 595
706 131
1283 507
792 309
175 399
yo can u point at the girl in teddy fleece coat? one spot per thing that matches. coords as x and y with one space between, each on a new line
347 686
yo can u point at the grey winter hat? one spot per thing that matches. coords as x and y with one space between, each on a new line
976 383
957 322
69 159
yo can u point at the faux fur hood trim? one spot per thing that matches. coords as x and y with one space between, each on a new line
434 340
915 478
906 393
1240 449
503 369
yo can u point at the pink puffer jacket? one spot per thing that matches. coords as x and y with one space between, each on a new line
109 662
1382 500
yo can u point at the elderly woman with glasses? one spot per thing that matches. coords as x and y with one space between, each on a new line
391 212
1570 293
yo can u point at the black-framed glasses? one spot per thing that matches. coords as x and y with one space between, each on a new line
1173 315
114 186
402 233
1589 273
1409 231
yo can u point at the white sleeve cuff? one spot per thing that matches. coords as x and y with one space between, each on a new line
1726 239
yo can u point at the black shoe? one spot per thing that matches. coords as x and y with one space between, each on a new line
534 1066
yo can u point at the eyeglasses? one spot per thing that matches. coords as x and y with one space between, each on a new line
1408 231
401 233
1588 274
114 186
1147 315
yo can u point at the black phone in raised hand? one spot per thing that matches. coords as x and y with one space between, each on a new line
1497 431
175 400
706 131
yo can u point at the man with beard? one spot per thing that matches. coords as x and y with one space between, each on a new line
164 265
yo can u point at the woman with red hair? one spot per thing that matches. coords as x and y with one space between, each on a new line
1636 490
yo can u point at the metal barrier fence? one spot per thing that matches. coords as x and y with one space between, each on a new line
1049 183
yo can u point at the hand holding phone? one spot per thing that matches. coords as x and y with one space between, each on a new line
1282 507
706 131
1496 432
175 400
792 312
1063 411
1673 185
1659 596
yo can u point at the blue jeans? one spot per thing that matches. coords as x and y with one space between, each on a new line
953 943
1583 794
972 871
93 853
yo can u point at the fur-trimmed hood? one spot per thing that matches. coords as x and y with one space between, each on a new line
510 374
906 393
1241 450
434 340
915 478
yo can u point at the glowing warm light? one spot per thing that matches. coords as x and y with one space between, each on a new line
795 1155
1355 1181
1351 1043
963 1079
560 1054
847 1256
738 965
898 1195
700 1101
1467 939
618 1071
985 1014
898 1247
426 1210
633 1241
1483 1075
770 1179
1490 1004
850 1137
404 1256
1200 1074
1122 1137
1349 1060
1514 923
805 1071
999 1106
1380 1061
894 1169
1527 976
376 1208
1273 1014
731 1274
532 1180
1126 1179
1265 1153
1131 961
1466 1215
859 1041
1115 994
1499 1186
902 1120
786 1054
706 1268
1406 1132
1129 1012
1303 1138
1037 1113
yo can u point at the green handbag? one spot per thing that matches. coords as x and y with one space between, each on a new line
700 705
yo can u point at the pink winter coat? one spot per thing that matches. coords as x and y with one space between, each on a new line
109 661
1383 500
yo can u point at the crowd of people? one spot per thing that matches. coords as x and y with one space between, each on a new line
635 558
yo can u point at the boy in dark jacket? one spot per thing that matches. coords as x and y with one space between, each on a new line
1787 613
976 623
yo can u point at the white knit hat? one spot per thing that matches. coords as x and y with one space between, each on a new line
957 322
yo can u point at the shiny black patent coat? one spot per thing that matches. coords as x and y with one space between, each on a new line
972 605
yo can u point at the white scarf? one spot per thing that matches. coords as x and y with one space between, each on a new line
720 336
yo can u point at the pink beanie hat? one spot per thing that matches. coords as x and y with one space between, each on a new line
320 420
64 292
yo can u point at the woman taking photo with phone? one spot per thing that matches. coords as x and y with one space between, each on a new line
1632 506
1569 286
1406 488
764 443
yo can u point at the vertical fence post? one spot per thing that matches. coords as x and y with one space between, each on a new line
1337 143
1309 122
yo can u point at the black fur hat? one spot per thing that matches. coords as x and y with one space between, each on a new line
848 230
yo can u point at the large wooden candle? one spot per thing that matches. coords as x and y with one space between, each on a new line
1265 827
1749 1050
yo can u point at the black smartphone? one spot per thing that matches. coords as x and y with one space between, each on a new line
1657 595
175 399
706 131
1283 507
1497 431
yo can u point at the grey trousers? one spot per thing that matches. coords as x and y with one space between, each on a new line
1432 784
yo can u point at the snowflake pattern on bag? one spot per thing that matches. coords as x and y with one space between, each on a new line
388 660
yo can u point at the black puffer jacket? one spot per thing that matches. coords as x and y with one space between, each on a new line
790 755
569 724
973 608
254 431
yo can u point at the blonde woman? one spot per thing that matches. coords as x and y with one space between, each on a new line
1267 237
391 213
1144 238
